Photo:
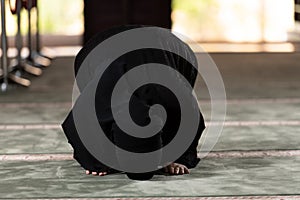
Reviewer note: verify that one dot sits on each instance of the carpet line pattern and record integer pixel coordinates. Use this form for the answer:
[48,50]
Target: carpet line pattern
[229,102]
[223,154]
[226,124]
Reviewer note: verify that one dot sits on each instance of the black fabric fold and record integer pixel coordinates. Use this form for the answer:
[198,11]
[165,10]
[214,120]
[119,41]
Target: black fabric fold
[142,100]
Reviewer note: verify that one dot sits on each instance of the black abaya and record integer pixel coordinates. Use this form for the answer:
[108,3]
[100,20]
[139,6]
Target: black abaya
[142,99]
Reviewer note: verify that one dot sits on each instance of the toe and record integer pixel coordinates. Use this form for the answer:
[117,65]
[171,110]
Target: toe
[172,170]
[102,173]
[94,173]
[181,170]
[186,170]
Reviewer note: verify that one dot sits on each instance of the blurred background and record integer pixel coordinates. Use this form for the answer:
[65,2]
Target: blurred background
[204,21]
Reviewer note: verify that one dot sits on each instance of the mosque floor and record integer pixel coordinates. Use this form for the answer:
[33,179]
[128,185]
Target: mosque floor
[257,155]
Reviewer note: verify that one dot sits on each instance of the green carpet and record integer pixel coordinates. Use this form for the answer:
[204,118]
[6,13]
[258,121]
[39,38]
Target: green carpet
[260,88]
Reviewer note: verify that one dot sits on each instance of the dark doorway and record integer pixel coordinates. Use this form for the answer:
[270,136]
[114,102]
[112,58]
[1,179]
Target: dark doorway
[102,14]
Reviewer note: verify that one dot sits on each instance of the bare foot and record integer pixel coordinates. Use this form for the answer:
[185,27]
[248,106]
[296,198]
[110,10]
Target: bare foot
[176,169]
[88,172]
